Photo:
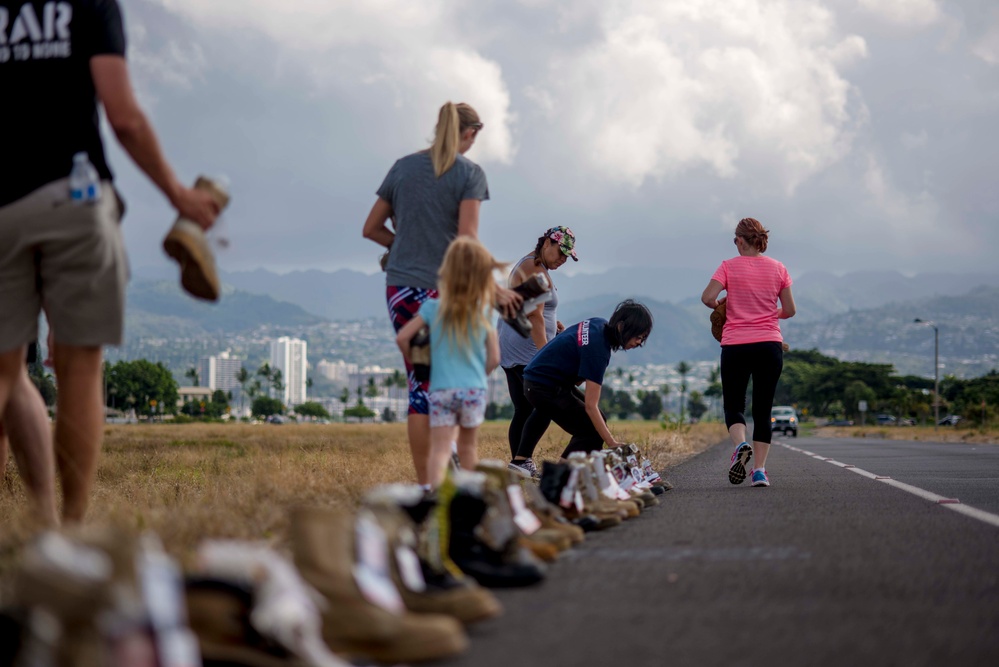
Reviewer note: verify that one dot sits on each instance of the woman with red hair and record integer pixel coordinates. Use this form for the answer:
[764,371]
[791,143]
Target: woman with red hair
[752,345]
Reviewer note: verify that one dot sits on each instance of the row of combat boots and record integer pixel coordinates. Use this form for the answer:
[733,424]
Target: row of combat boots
[395,581]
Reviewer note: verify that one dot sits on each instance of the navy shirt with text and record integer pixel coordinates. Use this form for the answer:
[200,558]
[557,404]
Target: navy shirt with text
[581,352]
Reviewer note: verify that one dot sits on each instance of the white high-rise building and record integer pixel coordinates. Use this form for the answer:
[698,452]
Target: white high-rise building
[219,372]
[289,356]
[338,371]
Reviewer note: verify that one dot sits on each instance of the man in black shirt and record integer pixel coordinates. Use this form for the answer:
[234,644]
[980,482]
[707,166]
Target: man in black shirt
[59,59]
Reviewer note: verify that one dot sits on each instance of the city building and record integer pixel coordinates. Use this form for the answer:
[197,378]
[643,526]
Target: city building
[289,355]
[219,372]
[337,371]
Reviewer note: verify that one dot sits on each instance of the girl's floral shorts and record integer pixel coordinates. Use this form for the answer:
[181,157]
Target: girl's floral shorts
[464,407]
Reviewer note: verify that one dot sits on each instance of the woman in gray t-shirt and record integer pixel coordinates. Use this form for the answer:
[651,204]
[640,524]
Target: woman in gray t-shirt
[432,197]
[553,249]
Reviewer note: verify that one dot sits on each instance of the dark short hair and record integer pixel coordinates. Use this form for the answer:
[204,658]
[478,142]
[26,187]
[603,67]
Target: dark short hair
[630,320]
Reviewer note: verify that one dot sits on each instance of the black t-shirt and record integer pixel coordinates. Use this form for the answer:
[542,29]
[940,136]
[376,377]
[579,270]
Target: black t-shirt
[48,109]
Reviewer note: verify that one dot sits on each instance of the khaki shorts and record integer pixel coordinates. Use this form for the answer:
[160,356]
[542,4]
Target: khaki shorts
[65,258]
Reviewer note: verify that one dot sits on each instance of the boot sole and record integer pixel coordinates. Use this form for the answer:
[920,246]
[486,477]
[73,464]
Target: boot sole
[420,649]
[737,473]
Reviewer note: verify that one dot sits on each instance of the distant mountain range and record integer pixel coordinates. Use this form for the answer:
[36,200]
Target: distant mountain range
[352,295]
[860,316]
[159,309]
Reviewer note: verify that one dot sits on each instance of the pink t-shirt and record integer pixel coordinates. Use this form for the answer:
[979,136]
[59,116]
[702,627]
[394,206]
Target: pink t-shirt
[752,285]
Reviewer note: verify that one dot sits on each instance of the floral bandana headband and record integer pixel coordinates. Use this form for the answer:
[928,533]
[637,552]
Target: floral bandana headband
[566,240]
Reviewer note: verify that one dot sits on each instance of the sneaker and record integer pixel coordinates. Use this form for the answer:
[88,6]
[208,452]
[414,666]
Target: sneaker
[759,478]
[521,468]
[740,457]
[528,464]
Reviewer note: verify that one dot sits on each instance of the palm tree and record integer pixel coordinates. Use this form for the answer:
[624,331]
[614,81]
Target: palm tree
[242,377]
[277,381]
[664,389]
[372,389]
[714,390]
[192,374]
[265,372]
[308,386]
[683,368]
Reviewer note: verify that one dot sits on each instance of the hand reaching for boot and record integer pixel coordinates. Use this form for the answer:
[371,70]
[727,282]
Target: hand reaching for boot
[196,205]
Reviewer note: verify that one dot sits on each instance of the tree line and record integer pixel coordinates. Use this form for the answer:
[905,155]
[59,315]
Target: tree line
[817,385]
[824,386]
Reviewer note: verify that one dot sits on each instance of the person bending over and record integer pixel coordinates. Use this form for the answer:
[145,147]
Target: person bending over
[581,353]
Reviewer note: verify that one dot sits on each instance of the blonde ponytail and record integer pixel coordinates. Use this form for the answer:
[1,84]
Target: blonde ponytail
[452,120]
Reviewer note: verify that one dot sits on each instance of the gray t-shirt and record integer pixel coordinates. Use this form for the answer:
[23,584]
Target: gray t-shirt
[425,209]
[515,350]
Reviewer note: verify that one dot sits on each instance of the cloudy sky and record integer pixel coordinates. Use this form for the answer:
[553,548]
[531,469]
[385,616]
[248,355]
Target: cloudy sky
[861,132]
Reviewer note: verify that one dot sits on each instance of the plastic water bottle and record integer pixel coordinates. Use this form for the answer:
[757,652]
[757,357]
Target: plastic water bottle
[84,182]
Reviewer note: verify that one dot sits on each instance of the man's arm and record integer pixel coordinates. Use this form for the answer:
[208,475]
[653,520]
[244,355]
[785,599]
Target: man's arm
[136,135]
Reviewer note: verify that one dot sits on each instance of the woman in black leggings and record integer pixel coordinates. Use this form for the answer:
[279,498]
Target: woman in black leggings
[751,342]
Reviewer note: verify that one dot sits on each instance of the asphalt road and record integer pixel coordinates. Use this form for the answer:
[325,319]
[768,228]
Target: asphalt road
[825,567]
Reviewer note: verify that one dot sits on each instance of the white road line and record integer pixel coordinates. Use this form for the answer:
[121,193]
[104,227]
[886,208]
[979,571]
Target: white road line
[948,503]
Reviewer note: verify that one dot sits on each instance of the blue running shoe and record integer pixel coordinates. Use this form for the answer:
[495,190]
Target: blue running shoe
[740,457]
[759,478]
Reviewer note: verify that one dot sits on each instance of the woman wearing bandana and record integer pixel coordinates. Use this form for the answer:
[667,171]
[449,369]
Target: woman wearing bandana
[553,249]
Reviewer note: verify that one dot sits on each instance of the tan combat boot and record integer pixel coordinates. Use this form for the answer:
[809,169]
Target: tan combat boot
[186,243]
[323,543]
[423,590]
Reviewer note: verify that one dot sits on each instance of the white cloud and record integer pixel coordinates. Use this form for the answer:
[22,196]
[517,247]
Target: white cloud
[987,46]
[912,13]
[170,65]
[412,50]
[915,213]
[669,86]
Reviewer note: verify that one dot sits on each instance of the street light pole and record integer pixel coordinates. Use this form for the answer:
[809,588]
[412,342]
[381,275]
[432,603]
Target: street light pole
[936,377]
[936,371]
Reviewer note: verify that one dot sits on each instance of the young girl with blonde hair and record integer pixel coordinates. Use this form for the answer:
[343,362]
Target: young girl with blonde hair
[464,350]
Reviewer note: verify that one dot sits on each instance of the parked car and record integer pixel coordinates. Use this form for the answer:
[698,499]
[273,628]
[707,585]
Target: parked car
[840,422]
[276,419]
[886,420]
[783,418]
[950,420]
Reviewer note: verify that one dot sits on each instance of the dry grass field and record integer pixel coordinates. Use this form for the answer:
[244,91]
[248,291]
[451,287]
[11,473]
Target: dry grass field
[187,482]
[923,433]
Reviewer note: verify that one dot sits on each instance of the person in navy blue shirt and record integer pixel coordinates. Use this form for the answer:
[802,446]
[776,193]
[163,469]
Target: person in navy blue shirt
[579,354]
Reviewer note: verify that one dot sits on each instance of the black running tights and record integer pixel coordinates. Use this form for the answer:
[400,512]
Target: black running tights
[527,425]
[566,407]
[764,363]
